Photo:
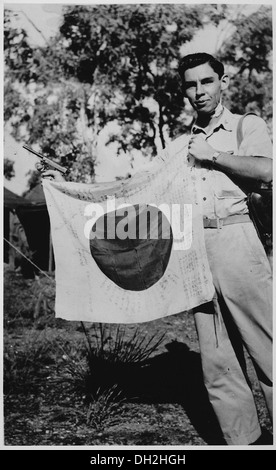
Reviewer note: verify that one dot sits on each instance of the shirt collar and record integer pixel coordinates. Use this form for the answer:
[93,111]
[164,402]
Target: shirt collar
[225,120]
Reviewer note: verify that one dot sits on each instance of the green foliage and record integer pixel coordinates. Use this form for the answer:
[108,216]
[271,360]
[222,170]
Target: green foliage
[117,63]
[8,169]
[251,45]
[249,55]
[132,50]
[19,56]
[26,364]
[104,65]
[34,298]
[42,107]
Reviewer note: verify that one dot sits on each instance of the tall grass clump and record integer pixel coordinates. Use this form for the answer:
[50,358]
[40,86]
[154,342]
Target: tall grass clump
[103,371]
[114,346]
[105,408]
[113,354]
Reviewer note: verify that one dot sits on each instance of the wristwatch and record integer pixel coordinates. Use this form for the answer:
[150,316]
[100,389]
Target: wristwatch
[215,156]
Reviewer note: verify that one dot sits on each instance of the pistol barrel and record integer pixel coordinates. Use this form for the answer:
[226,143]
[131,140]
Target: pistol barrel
[46,160]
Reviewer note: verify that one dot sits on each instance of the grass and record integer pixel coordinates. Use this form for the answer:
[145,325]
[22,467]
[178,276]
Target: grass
[92,367]
[113,354]
[66,383]
[105,408]
[25,364]
[115,348]
[99,371]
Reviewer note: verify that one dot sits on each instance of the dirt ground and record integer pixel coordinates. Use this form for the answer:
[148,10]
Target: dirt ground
[46,404]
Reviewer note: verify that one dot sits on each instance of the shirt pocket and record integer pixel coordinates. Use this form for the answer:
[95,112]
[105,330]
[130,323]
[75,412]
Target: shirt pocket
[225,188]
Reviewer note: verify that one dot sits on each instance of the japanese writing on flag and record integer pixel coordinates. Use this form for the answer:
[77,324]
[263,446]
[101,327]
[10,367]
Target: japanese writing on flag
[130,251]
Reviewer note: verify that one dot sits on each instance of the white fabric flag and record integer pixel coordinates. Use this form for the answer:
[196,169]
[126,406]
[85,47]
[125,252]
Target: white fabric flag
[121,274]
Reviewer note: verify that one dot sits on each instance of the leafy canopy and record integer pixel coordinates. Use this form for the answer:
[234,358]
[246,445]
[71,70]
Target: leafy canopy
[118,64]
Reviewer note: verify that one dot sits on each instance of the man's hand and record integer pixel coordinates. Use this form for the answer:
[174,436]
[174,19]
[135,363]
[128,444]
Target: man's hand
[200,149]
[53,175]
[245,166]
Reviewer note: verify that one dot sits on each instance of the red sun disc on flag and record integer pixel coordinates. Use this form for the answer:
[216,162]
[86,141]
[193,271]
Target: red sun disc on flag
[132,246]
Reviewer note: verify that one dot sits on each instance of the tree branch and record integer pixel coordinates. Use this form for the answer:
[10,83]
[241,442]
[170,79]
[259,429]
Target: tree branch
[160,126]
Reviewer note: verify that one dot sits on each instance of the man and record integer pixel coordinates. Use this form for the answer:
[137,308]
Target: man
[241,312]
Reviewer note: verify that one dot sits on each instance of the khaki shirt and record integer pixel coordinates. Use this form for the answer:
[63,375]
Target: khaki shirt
[220,196]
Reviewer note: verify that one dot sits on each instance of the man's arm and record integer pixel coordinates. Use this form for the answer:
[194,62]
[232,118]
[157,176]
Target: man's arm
[256,168]
[251,167]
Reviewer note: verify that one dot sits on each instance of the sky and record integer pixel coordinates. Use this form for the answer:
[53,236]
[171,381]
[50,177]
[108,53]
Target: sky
[41,21]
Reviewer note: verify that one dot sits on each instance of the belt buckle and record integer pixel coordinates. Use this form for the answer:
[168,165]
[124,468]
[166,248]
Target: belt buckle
[213,223]
[207,222]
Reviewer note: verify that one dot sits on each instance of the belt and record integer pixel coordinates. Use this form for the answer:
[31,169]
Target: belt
[231,219]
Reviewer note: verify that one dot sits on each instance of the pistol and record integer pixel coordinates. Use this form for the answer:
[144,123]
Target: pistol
[47,161]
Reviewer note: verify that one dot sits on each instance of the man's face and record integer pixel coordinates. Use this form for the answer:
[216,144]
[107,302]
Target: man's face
[203,88]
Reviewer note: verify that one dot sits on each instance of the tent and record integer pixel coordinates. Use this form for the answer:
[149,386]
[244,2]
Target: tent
[31,212]
[11,202]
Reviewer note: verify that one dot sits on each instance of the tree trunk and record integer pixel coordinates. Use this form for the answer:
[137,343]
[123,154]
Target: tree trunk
[160,126]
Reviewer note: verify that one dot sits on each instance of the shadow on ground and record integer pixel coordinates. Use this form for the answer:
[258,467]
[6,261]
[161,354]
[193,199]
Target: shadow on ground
[174,376]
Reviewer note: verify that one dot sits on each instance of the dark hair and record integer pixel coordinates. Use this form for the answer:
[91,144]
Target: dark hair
[193,60]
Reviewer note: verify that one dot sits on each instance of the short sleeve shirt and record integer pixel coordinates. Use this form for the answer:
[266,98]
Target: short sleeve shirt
[220,195]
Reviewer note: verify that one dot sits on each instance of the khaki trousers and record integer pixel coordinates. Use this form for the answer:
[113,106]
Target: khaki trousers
[240,316]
